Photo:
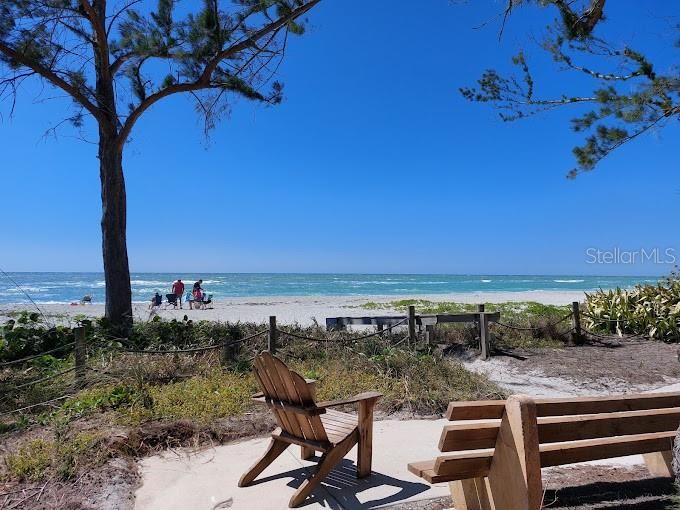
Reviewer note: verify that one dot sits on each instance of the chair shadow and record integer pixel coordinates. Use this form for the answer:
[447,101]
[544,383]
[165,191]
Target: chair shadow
[341,488]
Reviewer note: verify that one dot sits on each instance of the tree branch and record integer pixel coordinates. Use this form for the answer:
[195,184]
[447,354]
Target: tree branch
[53,78]
[252,39]
[204,81]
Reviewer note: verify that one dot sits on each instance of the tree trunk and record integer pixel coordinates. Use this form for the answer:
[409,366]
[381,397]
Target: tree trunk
[118,309]
[114,243]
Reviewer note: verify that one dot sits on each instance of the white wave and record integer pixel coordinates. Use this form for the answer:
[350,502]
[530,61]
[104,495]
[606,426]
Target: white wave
[22,290]
[486,281]
[568,281]
[149,282]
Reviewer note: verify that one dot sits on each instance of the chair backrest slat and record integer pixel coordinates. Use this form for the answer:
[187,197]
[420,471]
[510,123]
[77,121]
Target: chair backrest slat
[279,383]
[267,387]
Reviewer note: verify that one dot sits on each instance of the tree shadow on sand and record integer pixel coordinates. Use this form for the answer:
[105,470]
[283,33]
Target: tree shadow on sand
[342,490]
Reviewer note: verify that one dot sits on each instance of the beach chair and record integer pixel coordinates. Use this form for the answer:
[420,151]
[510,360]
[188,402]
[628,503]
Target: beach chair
[207,300]
[310,424]
[172,300]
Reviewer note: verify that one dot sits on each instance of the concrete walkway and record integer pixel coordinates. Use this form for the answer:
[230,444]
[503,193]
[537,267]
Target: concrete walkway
[207,480]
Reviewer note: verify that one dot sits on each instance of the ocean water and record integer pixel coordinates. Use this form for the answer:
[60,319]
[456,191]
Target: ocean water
[69,287]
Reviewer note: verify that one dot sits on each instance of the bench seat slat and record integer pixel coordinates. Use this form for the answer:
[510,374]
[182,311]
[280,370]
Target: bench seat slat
[476,463]
[460,466]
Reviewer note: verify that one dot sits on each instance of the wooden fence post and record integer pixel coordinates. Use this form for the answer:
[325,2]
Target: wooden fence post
[271,340]
[576,335]
[483,331]
[484,335]
[429,334]
[228,353]
[411,325]
[80,352]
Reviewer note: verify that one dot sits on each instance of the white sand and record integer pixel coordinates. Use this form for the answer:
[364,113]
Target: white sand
[301,309]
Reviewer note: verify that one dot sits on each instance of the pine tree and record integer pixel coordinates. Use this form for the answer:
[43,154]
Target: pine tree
[105,56]
[628,99]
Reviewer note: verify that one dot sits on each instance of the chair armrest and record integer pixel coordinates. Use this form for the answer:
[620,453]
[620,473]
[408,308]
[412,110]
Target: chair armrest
[369,395]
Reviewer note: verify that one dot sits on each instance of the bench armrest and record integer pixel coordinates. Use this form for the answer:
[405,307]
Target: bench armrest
[369,395]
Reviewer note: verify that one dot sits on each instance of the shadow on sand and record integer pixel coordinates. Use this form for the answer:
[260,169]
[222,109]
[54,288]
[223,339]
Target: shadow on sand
[645,494]
[342,490]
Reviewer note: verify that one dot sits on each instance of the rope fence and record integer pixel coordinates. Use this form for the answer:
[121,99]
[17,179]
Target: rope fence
[87,375]
[35,356]
[353,339]
[537,328]
[196,349]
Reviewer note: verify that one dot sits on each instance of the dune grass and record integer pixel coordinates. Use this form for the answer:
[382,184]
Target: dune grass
[128,393]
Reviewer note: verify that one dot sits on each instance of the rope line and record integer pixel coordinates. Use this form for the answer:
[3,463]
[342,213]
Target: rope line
[25,385]
[363,337]
[195,349]
[9,277]
[587,331]
[29,358]
[46,402]
[519,328]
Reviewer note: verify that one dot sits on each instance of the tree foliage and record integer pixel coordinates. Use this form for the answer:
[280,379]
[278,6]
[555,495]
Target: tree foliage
[629,95]
[222,49]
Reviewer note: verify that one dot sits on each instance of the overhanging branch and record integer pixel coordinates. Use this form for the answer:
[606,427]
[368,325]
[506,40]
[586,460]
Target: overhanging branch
[204,81]
[53,78]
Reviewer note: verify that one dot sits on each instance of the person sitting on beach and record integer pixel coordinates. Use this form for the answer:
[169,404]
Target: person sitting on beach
[156,301]
[196,293]
[178,290]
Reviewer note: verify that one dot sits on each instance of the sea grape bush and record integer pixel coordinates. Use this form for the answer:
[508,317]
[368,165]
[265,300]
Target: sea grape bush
[27,334]
[652,310]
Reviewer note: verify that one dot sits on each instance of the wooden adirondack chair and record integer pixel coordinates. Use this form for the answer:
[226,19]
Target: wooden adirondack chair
[310,425]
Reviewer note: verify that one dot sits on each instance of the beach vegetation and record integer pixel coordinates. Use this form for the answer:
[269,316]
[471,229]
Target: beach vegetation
[538,325]
[651,310]
[56,458]
[154,401]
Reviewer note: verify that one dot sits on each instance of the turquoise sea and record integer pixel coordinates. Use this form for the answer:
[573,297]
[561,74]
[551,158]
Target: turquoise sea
[68,287]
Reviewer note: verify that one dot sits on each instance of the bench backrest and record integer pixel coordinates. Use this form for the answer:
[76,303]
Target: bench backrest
[569,430]
[561,420]
[494,450]
[290,398]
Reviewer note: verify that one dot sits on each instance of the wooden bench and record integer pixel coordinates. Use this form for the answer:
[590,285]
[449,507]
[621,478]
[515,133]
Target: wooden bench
[494,450]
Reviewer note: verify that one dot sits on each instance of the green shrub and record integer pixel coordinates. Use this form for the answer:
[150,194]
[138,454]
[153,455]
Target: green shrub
[40,459]
[652,310]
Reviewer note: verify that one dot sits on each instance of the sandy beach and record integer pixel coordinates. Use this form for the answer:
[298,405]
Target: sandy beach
[303,310]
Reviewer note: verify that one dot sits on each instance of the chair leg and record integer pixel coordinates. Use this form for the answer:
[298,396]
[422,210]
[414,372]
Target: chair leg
[275,448]
[325,466]
[306,453]
[365,450]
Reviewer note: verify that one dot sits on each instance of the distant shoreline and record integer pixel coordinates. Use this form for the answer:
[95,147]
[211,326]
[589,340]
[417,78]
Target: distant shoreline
[301,309]
[59,288]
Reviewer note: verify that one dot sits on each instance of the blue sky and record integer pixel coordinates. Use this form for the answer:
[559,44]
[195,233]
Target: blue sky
[373,162]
